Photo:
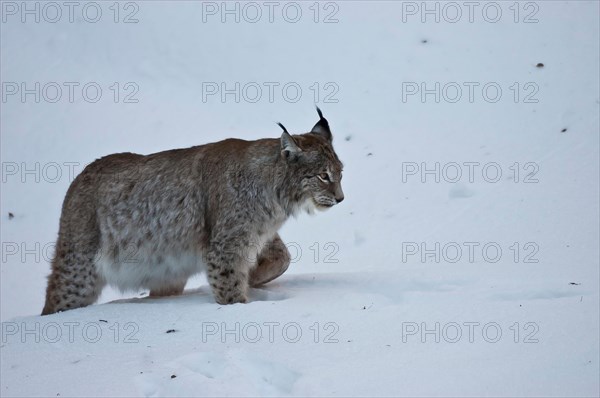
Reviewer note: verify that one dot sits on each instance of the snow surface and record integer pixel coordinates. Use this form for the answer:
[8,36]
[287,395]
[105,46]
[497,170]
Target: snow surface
[367,316]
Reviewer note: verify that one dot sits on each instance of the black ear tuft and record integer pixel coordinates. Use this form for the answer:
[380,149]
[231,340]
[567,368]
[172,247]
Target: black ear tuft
[322,127]
[283,127]
[319,112]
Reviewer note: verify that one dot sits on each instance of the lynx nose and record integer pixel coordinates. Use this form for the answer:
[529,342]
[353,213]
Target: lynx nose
[338,193]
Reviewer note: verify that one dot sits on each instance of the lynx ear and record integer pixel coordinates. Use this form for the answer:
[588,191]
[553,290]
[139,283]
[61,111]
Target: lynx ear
[322,127]
[288,144]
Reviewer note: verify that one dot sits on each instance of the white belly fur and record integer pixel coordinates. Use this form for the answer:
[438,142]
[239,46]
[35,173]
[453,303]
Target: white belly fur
[144,270]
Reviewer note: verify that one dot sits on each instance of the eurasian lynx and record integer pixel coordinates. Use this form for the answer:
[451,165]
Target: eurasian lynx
[151,222]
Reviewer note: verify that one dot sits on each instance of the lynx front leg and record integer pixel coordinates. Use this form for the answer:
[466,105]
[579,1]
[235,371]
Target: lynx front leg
[228,266]
[273,261]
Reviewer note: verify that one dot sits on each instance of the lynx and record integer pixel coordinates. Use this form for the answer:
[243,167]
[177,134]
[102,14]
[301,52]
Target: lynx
[151,222]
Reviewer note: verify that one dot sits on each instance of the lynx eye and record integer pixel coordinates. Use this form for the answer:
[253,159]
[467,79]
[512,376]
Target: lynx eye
[324,177]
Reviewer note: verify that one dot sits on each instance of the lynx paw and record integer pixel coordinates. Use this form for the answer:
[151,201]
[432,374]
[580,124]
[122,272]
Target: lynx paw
[230,298]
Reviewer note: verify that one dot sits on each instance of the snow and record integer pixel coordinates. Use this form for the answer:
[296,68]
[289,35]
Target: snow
[366,308]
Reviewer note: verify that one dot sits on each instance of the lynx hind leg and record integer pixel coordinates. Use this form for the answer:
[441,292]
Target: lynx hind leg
[272,262]
[173,289]
[74,281]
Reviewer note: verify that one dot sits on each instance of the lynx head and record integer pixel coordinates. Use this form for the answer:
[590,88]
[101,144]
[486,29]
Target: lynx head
[315,172]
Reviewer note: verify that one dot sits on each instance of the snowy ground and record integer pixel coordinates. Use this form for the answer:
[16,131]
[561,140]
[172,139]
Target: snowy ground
[419,284]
